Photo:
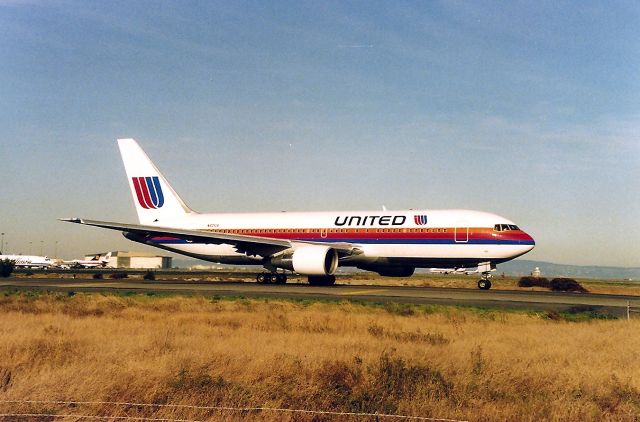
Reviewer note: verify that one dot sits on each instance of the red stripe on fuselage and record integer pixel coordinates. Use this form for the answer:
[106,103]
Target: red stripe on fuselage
[479,233]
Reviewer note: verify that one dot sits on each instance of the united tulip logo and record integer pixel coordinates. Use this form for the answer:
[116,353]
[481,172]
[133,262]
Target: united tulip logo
[420,220]
[148,191]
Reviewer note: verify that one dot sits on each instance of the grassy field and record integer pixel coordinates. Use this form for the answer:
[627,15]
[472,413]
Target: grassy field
[429,361]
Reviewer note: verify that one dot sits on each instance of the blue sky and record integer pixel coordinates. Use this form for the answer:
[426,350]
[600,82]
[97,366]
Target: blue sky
[530,110]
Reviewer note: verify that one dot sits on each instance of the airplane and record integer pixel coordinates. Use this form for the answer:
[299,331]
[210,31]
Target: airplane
[465,271]
[96,261]
[314,244]
[28,261]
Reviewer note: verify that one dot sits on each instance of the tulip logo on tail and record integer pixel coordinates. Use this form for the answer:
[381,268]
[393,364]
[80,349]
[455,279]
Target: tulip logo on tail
[148,191]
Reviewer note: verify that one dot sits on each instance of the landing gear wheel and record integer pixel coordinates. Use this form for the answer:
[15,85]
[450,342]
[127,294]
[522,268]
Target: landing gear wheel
[279,278]
[263,278]
[484,284]
[322,280]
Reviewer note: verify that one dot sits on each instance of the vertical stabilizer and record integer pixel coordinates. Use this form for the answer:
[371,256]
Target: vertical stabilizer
[155,200]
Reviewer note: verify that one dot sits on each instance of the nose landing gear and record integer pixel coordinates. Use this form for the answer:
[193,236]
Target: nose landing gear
[485,269]
[484,283]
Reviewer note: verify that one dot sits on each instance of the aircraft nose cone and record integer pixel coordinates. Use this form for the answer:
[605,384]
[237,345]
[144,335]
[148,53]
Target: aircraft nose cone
[529,240]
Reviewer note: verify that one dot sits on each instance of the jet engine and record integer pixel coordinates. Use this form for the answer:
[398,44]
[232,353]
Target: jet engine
[309,260]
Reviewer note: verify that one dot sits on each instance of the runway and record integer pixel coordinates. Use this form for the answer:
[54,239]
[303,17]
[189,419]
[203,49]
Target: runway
[513,299]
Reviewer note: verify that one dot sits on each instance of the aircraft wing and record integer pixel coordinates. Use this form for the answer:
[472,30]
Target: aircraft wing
[251,245]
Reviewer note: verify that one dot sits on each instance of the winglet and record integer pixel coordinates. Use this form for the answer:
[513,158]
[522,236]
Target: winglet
[72,220]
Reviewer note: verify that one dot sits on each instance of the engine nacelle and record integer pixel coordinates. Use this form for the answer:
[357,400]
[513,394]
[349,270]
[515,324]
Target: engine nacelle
[315,260]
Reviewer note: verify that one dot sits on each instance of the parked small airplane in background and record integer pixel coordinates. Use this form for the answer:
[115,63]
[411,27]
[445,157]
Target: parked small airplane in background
[391,243]
[465,271]
[96,261]
[28,261]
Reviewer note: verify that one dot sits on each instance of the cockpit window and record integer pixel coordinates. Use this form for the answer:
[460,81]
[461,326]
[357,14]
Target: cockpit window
[505,227]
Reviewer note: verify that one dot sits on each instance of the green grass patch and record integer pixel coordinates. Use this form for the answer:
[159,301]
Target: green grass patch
[574,314]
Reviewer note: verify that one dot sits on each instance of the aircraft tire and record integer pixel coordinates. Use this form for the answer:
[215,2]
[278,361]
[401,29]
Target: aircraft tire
[279,278]
[484,284]
[263,278]
[322,280]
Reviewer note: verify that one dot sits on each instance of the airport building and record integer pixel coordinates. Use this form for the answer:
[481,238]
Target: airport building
[125,259]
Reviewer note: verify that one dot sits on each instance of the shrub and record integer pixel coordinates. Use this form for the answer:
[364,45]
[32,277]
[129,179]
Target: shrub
[119,275]
[150,275]
[395,377]
[196,382]
[557,284]
[533,282]
[98,276]
[339,379]
[401,309]
[566,285]
[6,267]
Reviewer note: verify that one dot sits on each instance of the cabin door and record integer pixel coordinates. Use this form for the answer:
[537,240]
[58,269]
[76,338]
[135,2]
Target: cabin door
[461,233]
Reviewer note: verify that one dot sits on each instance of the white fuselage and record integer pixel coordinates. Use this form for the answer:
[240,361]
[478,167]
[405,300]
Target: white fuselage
[420,238]
[86,263]
[28,261]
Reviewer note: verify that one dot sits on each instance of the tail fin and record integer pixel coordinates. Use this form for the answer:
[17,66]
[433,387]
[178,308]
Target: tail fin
[154,198]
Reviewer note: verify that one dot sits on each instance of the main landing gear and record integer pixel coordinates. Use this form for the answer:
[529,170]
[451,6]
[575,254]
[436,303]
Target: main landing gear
[322,280]
[281,278]
[268,278]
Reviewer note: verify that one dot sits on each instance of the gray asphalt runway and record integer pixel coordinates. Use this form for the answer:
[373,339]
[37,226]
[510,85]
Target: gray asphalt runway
[611,304]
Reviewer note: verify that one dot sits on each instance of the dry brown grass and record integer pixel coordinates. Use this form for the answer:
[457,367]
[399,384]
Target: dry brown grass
[438,362]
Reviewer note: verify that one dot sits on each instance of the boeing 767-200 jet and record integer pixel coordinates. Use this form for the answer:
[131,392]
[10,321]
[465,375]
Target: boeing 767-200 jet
[314,244]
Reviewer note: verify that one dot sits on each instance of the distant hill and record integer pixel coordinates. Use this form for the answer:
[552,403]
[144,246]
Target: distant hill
[517,267]
[548,269]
